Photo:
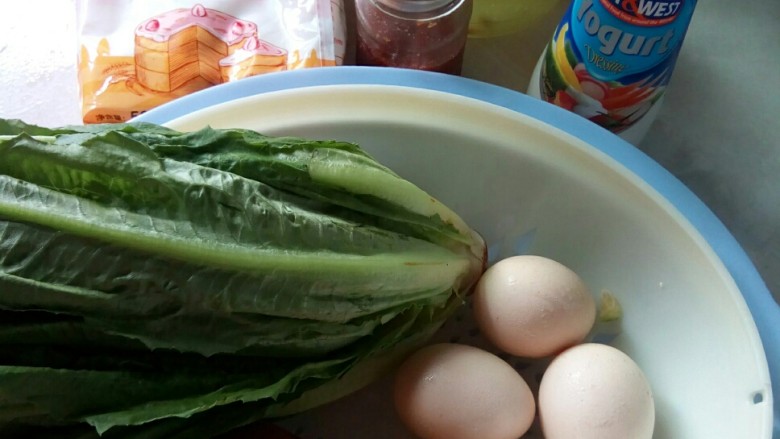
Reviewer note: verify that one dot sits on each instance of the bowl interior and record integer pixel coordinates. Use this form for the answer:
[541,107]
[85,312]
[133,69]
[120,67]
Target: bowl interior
[530,188]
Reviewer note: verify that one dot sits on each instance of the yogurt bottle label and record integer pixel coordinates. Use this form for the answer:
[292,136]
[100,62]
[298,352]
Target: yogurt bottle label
[610,60]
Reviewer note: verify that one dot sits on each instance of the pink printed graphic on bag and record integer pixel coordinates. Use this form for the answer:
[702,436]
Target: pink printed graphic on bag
[179,45]
[136,55]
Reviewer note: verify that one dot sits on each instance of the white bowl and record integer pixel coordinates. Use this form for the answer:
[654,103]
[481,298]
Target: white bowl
[591,201]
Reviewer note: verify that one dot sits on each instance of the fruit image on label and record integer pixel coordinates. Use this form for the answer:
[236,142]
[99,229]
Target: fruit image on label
[610,60]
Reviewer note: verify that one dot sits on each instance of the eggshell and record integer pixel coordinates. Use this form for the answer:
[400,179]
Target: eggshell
[532,306]
[454,391]
[595,391]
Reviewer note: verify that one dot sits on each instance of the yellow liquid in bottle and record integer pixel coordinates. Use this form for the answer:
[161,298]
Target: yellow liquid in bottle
[491,18]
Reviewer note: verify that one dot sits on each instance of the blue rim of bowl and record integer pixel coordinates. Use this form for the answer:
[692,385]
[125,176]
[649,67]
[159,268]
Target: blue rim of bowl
[762,305]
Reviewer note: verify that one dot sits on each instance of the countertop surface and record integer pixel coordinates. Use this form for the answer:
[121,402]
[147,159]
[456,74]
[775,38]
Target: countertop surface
[718,130]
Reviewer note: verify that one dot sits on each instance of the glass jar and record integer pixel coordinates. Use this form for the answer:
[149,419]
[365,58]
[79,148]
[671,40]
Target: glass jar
[416,34]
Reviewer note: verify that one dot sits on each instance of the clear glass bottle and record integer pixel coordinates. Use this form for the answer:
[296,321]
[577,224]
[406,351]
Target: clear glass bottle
[416,34]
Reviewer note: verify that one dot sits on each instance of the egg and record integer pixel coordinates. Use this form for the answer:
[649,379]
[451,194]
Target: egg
[455,391]
[595,391]
[532,306]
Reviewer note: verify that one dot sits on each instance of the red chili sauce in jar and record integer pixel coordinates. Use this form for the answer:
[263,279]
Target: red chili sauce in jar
[416,34]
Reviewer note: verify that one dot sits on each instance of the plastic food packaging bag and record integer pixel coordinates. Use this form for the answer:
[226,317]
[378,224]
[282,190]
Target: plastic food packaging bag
[136,55]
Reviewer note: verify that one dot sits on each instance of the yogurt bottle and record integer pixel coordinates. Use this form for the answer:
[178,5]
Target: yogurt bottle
[610,61]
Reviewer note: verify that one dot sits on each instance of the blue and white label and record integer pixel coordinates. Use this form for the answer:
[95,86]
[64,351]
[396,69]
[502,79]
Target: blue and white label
[610,60]
[618,38]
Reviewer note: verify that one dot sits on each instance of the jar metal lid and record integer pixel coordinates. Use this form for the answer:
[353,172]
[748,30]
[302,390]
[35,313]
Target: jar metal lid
[415,6]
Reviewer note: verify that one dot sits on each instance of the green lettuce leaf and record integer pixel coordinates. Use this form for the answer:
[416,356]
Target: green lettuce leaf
[155,283]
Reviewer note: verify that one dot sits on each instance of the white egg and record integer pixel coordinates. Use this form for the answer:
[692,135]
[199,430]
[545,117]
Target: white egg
[532,306]
[454,391]
[595,391]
